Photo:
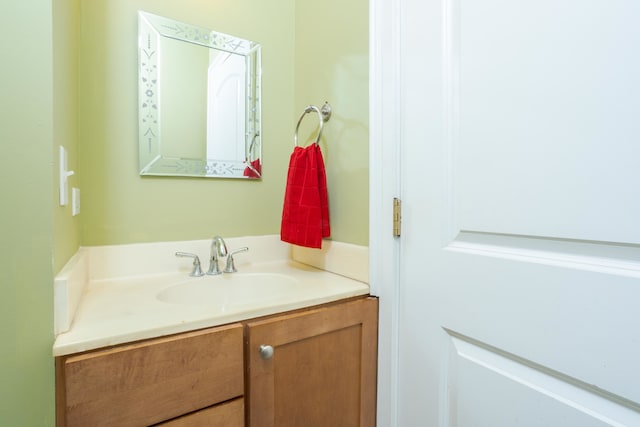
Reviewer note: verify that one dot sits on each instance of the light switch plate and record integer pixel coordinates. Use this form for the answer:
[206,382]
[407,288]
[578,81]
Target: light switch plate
[64,176]
[75,201]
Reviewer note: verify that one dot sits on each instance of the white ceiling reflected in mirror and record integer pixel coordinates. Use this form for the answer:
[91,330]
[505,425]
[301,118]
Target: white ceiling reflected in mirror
[199,101]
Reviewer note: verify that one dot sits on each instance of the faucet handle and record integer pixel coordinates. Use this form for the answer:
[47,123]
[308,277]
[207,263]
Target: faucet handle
[231,266]
[197,271]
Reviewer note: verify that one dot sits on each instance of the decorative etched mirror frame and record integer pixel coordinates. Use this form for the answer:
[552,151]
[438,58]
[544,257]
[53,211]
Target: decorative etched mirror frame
[152,30]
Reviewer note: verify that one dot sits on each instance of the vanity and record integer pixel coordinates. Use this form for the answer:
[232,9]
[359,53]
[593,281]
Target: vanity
[140,352]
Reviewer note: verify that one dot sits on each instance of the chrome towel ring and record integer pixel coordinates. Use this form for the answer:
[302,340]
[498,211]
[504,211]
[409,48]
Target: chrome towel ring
[324,114]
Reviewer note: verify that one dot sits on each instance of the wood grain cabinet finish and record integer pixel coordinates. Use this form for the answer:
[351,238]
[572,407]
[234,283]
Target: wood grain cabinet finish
[228,414]
[322,371]
[150,382]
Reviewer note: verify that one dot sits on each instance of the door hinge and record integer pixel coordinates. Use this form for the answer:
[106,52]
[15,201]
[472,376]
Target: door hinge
[397,217]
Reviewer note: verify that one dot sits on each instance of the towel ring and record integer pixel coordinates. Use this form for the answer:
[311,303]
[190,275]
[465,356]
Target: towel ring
[324,115]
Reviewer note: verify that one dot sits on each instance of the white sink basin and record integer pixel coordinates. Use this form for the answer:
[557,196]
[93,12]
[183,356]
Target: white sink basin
[230,289]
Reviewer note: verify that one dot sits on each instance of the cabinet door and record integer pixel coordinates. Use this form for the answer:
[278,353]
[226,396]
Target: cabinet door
[151,381]
[322,371]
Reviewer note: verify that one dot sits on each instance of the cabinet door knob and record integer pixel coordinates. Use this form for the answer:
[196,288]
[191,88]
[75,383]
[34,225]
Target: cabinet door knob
[266,352]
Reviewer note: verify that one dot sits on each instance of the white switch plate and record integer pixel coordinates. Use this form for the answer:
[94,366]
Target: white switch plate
[75,201]
[64,176]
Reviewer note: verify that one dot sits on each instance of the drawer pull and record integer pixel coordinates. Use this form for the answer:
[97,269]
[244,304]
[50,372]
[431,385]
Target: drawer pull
[266,352]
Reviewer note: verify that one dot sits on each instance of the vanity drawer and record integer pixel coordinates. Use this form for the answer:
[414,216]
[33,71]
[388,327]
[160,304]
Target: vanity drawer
[151,381]
[228,414]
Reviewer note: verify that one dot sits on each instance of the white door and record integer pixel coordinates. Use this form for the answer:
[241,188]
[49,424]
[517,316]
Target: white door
[518,301]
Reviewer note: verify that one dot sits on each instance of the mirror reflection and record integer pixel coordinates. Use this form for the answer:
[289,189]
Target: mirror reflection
[199,101]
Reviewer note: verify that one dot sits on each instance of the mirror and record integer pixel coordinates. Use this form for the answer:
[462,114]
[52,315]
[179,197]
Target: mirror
[199,101]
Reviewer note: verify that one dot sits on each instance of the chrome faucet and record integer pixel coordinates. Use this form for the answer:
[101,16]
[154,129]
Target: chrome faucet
[218,249]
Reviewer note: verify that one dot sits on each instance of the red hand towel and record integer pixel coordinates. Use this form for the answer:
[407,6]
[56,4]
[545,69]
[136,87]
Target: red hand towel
[305,215]
[324,197]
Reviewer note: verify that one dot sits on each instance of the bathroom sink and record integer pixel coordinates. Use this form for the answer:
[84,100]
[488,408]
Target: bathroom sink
[230,289]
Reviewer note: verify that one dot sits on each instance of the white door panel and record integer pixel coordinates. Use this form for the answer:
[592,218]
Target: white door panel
[520,394]
[561,80]
[520,254]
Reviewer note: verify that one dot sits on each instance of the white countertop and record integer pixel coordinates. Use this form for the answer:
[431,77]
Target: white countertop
[120,309]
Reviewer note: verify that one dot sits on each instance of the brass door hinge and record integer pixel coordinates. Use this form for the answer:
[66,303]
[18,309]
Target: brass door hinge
[397,217]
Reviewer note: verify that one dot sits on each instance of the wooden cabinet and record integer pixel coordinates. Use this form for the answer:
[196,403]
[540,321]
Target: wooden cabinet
[228,414]
[322,371]
[150,382]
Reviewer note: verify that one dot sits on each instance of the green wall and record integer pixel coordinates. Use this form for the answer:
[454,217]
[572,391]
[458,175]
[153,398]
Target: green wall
[26,215]
[72,80]
[119,206]
[66,32]
[332,40]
